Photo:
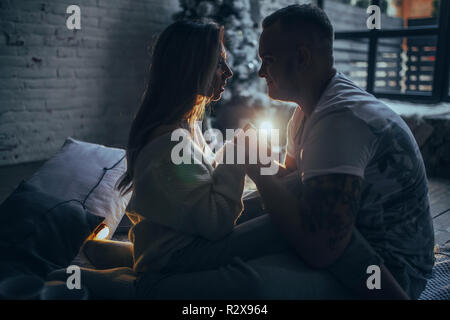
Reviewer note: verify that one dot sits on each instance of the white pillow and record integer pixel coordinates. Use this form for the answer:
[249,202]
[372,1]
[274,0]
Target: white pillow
[75,171]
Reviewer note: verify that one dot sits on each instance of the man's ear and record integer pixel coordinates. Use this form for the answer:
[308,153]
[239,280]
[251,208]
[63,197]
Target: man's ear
[303,56]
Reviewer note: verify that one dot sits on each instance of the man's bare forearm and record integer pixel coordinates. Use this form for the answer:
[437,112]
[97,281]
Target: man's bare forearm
[317,220]
[300,228]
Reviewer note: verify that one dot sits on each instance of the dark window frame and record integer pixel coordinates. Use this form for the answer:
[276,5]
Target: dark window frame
[441,72]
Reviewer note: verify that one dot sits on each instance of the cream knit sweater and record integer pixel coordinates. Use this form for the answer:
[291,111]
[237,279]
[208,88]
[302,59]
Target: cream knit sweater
[172,205]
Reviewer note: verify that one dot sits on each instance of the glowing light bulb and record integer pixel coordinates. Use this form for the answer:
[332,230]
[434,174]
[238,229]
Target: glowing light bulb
[102,234]
[266,126]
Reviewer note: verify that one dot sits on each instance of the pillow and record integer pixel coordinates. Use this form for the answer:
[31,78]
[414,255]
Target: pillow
[38,233]
[88,173]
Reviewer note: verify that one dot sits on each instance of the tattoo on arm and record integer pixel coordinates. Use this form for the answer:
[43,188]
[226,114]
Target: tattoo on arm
[329,205]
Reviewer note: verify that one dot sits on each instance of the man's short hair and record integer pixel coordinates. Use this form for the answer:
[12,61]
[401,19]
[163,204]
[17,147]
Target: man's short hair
[305,15]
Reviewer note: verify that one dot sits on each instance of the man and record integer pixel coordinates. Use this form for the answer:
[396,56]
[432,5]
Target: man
[363,195]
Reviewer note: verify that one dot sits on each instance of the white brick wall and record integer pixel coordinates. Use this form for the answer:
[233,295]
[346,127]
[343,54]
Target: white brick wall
[55,82]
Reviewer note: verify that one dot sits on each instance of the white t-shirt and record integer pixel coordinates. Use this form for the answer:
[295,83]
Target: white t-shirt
[351,132]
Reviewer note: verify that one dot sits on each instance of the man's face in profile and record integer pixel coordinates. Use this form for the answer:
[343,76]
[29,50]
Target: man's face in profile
[278,65]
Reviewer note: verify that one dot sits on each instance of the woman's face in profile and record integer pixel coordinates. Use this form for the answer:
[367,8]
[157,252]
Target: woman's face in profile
[222,73]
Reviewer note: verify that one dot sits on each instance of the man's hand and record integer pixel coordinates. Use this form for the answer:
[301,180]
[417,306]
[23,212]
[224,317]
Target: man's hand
[269,161]
[290,165]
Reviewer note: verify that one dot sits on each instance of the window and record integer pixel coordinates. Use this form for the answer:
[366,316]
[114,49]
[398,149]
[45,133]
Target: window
[405,65]
[350,58]
[406,59]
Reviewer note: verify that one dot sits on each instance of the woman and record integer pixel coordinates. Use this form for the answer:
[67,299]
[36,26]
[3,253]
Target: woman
[184,214]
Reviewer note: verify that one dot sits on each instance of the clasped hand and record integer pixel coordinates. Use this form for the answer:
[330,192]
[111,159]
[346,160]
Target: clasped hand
[259,158]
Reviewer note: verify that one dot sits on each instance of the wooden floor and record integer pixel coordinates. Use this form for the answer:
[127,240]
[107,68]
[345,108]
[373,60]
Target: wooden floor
[440,209]
[10,177]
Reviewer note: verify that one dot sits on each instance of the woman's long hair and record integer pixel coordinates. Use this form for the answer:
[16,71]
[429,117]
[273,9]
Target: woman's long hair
[184,60]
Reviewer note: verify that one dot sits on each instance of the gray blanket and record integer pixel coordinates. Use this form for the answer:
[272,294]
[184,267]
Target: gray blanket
[438,287]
